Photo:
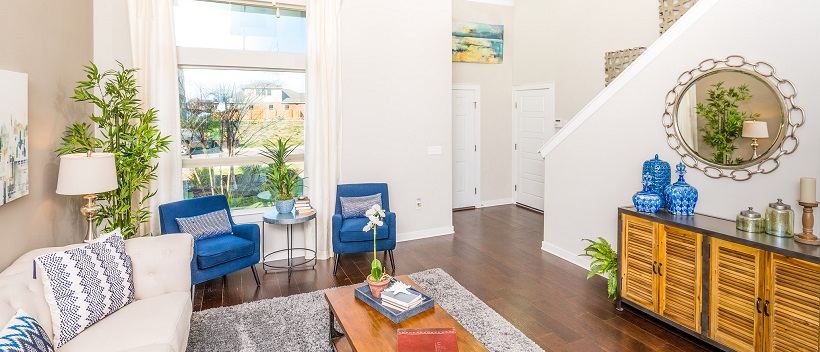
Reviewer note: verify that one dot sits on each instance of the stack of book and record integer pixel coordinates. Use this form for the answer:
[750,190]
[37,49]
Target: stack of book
[401,301]
[303,207]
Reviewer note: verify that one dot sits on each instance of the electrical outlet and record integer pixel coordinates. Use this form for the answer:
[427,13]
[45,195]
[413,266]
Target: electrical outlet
[418,203]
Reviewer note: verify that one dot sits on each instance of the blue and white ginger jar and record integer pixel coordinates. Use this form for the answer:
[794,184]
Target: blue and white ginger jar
[661,176]
[647,201]
[680,196]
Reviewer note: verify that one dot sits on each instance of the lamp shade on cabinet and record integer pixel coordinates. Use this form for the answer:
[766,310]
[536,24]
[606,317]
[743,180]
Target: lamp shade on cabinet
[755,129]
[86,174]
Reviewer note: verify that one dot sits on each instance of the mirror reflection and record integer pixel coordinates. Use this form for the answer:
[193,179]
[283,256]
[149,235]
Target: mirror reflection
[730,117]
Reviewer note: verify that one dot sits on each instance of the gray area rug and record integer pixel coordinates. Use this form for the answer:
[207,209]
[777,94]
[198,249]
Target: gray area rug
[299,322]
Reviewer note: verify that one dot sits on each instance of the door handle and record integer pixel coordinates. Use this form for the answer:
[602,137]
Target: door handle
[660,265]
[653,267]
[757,305]
[766,308]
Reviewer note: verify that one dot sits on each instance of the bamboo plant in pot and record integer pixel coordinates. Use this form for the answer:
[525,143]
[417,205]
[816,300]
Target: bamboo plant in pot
[378,280]
[282,181]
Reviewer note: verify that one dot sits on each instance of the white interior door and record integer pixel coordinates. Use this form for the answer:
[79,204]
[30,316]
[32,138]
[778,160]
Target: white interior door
[465,148]
[534,126]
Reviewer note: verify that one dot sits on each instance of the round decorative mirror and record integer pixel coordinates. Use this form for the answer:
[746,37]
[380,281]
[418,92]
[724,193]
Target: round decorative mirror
[732,118]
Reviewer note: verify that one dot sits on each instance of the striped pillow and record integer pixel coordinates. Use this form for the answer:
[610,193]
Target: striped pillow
[24,334]
[85,284]
[206,225]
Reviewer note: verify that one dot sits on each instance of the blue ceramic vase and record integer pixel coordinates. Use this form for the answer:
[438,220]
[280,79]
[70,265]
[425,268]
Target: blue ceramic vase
[680,196]
[661,176]
[647,201]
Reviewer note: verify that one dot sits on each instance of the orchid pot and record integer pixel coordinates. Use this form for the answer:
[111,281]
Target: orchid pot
[378,280]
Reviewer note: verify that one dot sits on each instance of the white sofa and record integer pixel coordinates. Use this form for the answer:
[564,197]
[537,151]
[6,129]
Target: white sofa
[159,318]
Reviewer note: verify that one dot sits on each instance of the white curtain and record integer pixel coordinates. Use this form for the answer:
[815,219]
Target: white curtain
[323,115]
[154,53]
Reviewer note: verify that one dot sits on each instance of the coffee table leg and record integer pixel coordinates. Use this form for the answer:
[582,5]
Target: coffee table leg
[334,334]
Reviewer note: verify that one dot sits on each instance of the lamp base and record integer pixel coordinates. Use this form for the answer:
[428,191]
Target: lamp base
[90,211]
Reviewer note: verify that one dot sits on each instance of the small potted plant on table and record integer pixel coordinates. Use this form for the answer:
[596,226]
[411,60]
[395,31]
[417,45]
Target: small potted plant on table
[378,280]
[282,181]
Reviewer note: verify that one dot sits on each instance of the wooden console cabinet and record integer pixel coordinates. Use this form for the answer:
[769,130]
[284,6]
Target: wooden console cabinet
[735,290]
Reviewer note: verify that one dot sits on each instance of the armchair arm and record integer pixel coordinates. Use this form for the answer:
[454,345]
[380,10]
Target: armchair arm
[390,221]
[249,232]
[161,264]
[336,222]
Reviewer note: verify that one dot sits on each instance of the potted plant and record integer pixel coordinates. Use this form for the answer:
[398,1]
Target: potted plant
[282,181]
[378,279]
[724,120]
[604,262]
[130,133]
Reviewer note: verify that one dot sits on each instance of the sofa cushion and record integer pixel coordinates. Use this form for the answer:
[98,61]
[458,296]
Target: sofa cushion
[158,323]
[351,231]
[213,251]
[23,334]
[85,284]
[355,207]
[215,223]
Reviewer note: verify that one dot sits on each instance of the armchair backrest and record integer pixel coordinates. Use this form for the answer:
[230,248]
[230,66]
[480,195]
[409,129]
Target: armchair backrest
[168,213]
[360,190]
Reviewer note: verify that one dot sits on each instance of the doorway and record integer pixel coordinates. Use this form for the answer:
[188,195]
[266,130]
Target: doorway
[465,145]
[533,126]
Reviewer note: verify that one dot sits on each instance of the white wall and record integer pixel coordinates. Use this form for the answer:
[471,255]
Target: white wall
[50,41]
[396,101]
[601,160]
[496,100]
[565,41]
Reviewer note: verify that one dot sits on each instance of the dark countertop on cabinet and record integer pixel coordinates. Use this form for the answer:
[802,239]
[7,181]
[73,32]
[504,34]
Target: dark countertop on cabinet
[725,229]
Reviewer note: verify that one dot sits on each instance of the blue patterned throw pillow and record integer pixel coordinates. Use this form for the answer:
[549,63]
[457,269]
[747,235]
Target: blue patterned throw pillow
[85,284]
[355,207]
[206,225]
[24,334]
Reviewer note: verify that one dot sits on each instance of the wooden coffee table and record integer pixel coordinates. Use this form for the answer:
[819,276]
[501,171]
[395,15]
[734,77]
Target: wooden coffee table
[365,329]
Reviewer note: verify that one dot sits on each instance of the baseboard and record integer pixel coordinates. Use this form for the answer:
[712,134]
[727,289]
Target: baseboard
[496,202]
[415,235]
[566,255]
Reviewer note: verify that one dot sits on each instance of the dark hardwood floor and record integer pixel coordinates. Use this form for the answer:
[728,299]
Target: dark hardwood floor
[496,254]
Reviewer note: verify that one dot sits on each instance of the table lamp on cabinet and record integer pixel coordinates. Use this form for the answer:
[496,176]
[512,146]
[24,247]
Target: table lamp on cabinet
[755,130]
[87,174]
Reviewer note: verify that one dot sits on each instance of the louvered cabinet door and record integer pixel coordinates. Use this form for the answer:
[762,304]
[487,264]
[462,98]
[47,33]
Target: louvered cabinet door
[638,280]
[680,274]
[793,320]
[735,284]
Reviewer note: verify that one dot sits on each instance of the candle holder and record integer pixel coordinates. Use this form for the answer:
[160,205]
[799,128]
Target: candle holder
[808,237]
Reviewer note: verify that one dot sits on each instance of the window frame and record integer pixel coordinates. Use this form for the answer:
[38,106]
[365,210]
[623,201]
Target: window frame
[235,59]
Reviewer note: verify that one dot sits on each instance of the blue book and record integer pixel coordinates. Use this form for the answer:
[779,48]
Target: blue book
[395,315]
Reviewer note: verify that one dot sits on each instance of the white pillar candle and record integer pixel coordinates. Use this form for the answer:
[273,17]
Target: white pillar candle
[808,190]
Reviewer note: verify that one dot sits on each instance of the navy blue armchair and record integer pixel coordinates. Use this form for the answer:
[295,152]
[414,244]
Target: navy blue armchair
[215,256]
[348,236]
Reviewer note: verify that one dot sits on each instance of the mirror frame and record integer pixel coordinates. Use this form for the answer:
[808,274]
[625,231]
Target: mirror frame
[787,142]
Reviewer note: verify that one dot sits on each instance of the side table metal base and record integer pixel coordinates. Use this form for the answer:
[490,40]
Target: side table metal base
[276,218]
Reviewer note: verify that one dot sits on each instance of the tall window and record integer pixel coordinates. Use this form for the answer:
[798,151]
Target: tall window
[242,84]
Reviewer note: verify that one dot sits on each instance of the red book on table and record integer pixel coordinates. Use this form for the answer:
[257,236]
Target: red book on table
[427,340]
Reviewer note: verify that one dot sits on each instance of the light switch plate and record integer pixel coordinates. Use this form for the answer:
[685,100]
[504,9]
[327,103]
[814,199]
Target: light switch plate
[434,150]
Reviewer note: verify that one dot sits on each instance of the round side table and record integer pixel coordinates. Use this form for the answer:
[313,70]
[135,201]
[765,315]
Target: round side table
[289,219]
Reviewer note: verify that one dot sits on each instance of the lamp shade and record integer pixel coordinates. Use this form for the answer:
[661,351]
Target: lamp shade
[755,129]
[86,174]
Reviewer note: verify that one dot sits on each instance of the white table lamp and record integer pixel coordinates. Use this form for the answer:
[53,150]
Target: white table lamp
[87,174]
[755,130]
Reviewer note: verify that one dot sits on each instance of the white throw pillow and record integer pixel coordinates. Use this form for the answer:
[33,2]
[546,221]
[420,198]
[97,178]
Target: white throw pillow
[85,284]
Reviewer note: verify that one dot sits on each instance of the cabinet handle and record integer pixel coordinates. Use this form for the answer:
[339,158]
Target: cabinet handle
[757,306]
[660,265]
[653,267]
[766,308]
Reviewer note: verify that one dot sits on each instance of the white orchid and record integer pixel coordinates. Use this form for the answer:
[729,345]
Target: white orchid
[375,214]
